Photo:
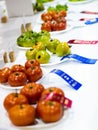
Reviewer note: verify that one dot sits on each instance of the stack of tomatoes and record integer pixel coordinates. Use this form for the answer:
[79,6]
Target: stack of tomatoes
[19,75]
[31,103]
[54,20]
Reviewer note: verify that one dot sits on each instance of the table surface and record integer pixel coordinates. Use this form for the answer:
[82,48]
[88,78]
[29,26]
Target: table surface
[84,112]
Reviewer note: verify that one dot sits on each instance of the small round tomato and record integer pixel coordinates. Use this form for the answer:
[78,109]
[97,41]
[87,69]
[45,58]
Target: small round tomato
[61,26]
[34,73]
[62,13]
[18,67]
[32,91]
[52,90]
[14,98]
[4,74]
[46,17]
[49,111]
[17,79]
[54,26]
[31,62]
[22,115]
[46,26]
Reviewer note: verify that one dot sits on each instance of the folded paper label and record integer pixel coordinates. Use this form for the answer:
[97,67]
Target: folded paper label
[59,98]
[80,59]
[17,8]
[72,82]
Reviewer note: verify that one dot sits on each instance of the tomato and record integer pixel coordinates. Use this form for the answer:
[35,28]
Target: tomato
[54,26]
[17,79]
[22,115]
[14,98]
[32,91]
[49,111]
[34,73]
[4,74]
[61,26]
[46,17]
[62,13]
[46,26]
[31,62]
[18,67]
[52,90]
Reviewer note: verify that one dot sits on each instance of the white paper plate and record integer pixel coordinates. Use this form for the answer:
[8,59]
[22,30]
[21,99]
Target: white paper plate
[54,60]
[23,48]
[41,124]
[79,2]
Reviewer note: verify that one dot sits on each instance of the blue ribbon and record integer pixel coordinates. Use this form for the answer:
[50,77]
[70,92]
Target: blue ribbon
[92,21]
[73,83]
[80,58]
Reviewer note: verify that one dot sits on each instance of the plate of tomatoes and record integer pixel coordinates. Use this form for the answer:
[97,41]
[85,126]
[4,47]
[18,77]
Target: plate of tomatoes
[34,109]
[16,76]
[54,20]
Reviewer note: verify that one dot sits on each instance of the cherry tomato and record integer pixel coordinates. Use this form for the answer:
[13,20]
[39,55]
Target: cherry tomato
[46,26]
[61,26]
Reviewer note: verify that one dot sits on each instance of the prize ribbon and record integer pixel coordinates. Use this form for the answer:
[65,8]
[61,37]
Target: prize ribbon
[59,98]
[80,58]
[73,83]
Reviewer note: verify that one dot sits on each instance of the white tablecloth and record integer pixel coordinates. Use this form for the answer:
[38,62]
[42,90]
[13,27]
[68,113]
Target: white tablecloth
[84,112]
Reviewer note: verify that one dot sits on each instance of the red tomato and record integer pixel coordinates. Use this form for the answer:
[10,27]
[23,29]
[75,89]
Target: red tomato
[14,98]
[17,79]
[32,91]
[54,26]
[31,62]
[61,26]
[18,67]
[49,111]
[46,17]
[22,115]
[62,13]
[46,26]
[4,74]
[34,73]
[52,90]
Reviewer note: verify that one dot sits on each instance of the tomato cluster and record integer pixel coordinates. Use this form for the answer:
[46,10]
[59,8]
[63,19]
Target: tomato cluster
[19,75]
[22,110]
[54,21]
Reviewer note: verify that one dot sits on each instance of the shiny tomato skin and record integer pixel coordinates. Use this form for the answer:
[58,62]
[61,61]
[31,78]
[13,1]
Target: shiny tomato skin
[32,91]
[54,26]
[52,90]
[31,62]
[34,73]
[46,26]
[46,17]
[22,115]
[61,26]
[14,98]
[62,13]
[49,111]
[17,79]
[4,74]
[18,67]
